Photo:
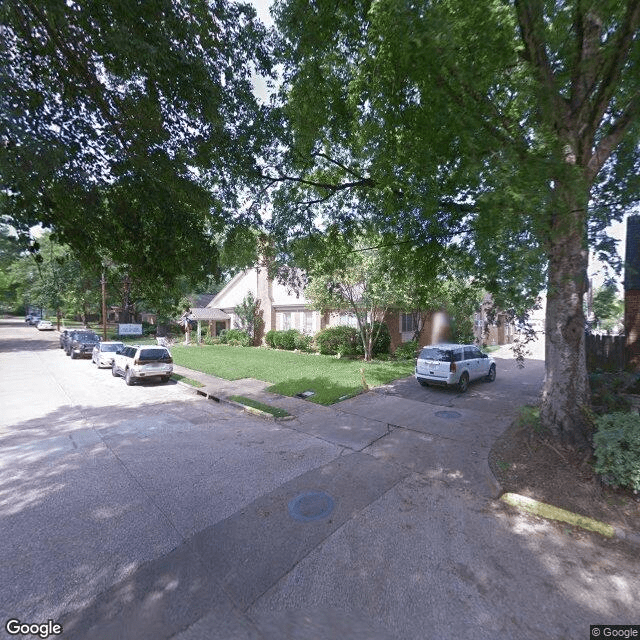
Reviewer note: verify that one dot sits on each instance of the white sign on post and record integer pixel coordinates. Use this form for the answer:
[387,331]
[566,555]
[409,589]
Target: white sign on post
[129,329]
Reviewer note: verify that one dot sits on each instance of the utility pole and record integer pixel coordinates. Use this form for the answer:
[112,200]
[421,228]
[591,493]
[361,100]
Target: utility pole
[103,282]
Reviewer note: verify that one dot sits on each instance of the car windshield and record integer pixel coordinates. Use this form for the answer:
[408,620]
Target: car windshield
[88,337]
[111,347]
[154,354]
[432,353]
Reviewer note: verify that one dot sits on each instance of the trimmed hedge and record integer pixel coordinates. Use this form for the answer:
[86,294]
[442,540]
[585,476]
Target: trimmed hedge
[288,340]
[304,342]
[339,340]
[235,338]
[270,338]
[346,341]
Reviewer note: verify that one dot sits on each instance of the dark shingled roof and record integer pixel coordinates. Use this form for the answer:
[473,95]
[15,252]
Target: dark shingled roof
[632,254]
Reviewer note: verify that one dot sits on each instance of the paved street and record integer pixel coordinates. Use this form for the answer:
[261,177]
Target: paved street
[152,512]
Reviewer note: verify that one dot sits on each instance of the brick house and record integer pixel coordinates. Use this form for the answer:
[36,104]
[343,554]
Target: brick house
[492,329]
[283,309]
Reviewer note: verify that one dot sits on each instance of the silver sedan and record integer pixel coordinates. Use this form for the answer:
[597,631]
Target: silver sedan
[103,353]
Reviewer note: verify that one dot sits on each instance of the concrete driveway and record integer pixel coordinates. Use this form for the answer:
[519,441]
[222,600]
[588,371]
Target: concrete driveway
[149,512]
[440,433]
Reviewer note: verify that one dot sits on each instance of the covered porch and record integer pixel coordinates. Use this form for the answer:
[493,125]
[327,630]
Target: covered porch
[217,320]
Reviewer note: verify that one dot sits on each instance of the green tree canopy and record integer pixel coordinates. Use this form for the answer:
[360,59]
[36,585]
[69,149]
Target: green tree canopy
[507,129]
[129,128]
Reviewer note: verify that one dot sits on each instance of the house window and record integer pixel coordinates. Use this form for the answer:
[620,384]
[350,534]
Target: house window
[286,320]
[308,322]
[407,323]
[348,320]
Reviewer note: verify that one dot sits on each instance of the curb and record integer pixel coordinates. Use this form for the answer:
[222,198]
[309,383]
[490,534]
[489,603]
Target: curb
[201,391]
[256,412]
[544,510]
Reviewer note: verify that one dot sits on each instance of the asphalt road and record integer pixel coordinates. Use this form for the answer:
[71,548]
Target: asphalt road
[148,512]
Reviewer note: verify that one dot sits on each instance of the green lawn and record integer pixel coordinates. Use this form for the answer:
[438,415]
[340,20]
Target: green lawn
[291,373]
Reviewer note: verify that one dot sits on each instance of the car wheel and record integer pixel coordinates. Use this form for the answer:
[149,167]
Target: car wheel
[114,371]
[423,383]
[127,377]
[166,378]
[73,355]
[491,376]
[463,383]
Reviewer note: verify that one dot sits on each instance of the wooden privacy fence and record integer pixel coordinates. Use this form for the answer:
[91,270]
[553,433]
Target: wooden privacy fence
[608,353]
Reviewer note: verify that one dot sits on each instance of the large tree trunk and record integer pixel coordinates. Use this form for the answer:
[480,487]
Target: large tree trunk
[566,386]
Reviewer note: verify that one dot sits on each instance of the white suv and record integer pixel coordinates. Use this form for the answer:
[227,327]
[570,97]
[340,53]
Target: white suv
[138,362]
[453,365]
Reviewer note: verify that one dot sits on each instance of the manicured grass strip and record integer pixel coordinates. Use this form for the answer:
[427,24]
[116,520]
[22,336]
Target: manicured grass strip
[248,402]
[292,373]
[554,513]
[193,383]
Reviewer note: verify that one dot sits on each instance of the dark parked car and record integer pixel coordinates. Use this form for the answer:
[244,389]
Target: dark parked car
[81,343]
[64,335]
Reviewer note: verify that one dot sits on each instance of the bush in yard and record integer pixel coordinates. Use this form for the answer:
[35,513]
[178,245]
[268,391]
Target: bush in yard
[235,338]
[286,339]
[407,350]
[608,391]
[304,342]
[270,338]
[343,340]
[617,449]
[149,329]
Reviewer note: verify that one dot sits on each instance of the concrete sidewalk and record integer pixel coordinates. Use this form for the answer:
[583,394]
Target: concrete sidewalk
[452,446]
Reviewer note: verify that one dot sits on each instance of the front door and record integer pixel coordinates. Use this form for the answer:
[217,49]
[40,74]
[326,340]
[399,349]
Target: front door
[220,326]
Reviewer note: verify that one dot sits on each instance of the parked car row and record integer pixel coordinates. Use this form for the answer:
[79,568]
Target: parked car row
[136,362]
[36,321]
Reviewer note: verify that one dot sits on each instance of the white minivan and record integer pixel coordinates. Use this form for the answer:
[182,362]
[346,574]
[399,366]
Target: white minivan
[453,365]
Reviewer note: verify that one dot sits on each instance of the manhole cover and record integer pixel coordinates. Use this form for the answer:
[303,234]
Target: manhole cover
[449,415]
[313,505]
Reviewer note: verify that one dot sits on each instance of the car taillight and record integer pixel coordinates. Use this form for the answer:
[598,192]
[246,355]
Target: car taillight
[452,367]
[136,361]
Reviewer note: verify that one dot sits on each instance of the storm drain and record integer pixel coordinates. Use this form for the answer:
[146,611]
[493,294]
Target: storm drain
[448,415]
[305,394]
[310,506]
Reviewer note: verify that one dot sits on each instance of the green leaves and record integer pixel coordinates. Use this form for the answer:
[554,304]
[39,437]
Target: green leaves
[468,123]
[131,128]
